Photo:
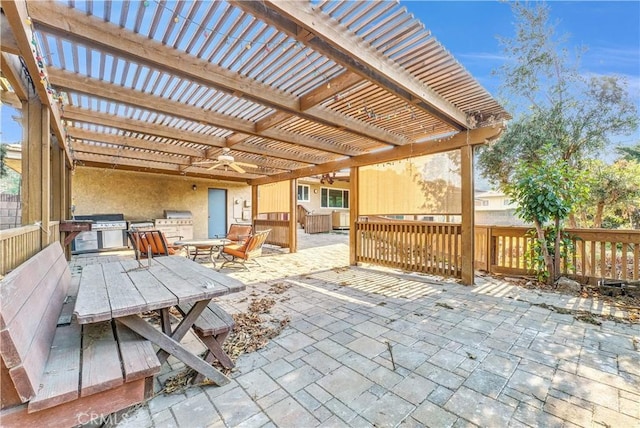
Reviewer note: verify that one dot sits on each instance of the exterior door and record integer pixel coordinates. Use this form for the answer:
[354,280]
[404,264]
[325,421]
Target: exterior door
[217,212]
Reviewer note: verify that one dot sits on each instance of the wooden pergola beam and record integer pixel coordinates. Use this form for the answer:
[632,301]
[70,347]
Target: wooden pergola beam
[105,161]
[94,32]
[17,16]
[310,99]
[297,19]
[9,43]
[122,152]
[133,125]
[94,87]
[185,154]
[11,99]
[12,70]
[137,143]
[472,137]
[92,117]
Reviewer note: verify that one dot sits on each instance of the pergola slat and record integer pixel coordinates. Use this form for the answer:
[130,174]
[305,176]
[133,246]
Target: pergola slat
[311,87]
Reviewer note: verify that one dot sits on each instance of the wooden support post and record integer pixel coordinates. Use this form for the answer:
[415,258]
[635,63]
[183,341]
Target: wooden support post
[30,153]
[36,167]
[467,249]
[68,201]
[58,187]
[254,202]
[489,249]
[354,213]
[45,186]
[293,229]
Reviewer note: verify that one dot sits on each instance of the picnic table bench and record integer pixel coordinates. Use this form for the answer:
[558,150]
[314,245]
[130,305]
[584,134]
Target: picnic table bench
[58,373]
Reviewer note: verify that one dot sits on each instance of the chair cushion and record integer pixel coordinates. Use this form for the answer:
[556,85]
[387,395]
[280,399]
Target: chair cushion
[235,252]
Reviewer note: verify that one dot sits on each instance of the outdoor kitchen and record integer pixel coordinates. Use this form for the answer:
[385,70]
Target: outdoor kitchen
[138,200]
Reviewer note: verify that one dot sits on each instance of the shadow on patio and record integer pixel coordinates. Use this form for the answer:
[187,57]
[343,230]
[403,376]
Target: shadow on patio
[377,347]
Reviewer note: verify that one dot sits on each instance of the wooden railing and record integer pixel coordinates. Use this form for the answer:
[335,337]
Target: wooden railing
[597,253]
[313,223]
[279,231]
[302,213]
[17,245]
[54,232]
[317,223]
[409,245]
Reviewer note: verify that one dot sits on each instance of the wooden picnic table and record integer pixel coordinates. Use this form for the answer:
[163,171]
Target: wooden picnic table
[125,290]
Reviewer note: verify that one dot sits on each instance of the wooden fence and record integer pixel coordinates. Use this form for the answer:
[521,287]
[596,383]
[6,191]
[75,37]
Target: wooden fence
[19,244]
[279,234]
[317,223]
[596,254]
[409,245]
[313,223]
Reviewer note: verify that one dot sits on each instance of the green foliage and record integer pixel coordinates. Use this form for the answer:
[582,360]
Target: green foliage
[562,120]
[3,155]
[535,259]
[555,104]
[546,190]
[614,194]
[631,153]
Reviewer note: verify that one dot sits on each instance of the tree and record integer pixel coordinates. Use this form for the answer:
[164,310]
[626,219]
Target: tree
[3,155]
[562,119]
[630,153]
[614,193]
[546,190]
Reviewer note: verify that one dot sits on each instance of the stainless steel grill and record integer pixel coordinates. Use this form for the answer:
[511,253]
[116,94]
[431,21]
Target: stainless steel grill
[176,214]
[141,224]
[108,232]
[109,225]
[176,224]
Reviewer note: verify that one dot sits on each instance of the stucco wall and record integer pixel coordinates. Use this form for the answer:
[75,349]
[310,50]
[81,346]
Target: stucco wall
[145,196]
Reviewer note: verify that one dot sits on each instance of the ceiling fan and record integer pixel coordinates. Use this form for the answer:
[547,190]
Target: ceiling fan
[227,161]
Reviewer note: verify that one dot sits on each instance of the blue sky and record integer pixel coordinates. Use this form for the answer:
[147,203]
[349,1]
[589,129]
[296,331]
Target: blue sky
[468,29]
[610,30]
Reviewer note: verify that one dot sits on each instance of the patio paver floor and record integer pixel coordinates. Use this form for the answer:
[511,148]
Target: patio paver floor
[369,347]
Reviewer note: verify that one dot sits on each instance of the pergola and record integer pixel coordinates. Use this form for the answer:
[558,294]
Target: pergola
[293,88]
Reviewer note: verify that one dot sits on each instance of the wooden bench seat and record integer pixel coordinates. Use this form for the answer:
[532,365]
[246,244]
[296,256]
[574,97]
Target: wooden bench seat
[212,327]
[65,374]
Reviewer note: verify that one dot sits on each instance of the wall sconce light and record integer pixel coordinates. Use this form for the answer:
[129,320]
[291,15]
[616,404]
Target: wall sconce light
[315,190]
[194,187]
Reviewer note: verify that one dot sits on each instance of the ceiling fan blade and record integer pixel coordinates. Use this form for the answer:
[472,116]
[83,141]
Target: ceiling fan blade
[201,162]
[235,167]
[215,165]
[248,165]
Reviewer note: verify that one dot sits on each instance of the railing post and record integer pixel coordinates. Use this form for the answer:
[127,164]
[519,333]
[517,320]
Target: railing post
[489,247]
[354,205]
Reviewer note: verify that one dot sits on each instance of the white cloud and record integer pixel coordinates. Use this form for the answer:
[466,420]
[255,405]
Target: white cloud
[619,57]
[484,56]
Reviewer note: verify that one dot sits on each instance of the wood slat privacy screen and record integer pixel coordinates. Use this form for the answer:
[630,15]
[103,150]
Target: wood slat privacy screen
[422,185]
[273,197]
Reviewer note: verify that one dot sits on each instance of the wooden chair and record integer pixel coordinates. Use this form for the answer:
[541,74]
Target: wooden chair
[238,233]
[242,253]
[144,240]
